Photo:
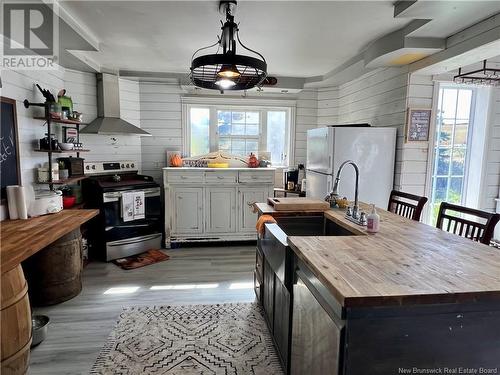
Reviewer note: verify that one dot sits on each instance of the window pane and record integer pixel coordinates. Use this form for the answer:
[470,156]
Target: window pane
[464,102]
[252,146]
[238,129]
[276,136]
[441,187]
[238,118]
[225,144]
[443,163]
[458,162]
[461,132]
[252,117]
[449,103]
[200,134]
[252,129]
[455,192]
[445,134]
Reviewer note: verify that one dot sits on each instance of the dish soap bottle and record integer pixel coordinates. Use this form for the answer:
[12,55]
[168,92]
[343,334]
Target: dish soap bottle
[373,221]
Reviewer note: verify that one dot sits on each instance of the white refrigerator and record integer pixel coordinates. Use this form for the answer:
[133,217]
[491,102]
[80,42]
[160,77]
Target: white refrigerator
[373,149]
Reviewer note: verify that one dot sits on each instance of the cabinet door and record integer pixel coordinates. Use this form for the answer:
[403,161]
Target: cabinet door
[187,210]
[268,295]
[282,320]
[248,196]
[316,338]
[220,210]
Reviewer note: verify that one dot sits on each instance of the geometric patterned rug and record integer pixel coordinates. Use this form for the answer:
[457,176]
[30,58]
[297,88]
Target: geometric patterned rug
[190,340]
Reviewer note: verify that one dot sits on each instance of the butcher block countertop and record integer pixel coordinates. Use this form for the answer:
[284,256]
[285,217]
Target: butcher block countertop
[20,239]
[405,263]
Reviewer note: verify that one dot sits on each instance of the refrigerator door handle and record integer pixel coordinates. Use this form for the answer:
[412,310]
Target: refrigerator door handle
[330,162]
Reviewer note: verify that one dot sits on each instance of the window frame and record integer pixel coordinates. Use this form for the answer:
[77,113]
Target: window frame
[432,154]
[263,106]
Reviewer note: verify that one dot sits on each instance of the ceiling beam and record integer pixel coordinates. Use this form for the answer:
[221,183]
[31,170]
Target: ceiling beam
[400,7]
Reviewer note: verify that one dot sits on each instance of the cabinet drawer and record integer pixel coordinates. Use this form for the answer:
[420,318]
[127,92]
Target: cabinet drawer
[260,177]
[221,177]
[184,177]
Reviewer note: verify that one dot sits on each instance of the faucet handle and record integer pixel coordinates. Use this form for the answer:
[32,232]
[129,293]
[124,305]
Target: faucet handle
[362,218]
[348,211]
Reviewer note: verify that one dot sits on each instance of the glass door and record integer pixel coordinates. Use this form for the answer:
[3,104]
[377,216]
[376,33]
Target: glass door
[451,147]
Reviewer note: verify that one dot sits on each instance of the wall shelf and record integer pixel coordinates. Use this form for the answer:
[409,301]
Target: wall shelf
[67,181]
[60,151]
[59,121]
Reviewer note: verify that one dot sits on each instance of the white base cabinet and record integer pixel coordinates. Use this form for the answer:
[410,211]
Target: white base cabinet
[206,204]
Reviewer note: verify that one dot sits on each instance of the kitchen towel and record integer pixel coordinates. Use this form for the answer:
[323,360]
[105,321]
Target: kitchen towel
[11,202]
[128,206]
[139,212]
[133,206]
[22,208]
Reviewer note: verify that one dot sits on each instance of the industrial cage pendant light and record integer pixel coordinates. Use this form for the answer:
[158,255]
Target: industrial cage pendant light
[228,70]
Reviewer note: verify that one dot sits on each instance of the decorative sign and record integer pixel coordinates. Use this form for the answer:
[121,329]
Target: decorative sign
[9,146]
[418,125]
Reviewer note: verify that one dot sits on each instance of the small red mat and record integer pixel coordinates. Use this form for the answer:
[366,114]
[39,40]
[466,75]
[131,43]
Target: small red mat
[141,260]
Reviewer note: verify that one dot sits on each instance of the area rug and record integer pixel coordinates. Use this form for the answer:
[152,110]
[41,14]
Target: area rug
[141,260]
[190,340]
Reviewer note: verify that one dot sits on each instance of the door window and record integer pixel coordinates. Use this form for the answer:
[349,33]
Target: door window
[451,147]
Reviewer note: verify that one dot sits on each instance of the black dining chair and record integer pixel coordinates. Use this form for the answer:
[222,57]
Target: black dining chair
[467,222]
[406,204]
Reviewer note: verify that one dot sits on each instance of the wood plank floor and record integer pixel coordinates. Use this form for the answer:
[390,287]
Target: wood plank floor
[79,327]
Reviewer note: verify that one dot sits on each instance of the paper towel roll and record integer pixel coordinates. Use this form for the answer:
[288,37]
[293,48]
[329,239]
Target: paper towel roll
[11,202]
[22,209]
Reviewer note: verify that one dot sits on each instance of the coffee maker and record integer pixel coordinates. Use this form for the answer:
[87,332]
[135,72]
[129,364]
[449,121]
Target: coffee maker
[290,178]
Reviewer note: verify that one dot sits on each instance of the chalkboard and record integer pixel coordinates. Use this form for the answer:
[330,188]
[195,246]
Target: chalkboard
[9,146]
[418,124]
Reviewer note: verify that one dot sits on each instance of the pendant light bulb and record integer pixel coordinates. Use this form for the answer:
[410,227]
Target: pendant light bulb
[225,83]
[229,71]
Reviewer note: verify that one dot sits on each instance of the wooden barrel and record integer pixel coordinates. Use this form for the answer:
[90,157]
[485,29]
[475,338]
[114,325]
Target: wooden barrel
[55,273]
[16,323]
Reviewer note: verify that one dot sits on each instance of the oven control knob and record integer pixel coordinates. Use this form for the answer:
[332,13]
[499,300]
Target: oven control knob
[87,167]
[93,167]
[128,165]
[132,165]
[123,165]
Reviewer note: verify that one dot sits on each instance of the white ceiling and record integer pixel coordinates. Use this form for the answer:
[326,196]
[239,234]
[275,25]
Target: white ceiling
[297,38]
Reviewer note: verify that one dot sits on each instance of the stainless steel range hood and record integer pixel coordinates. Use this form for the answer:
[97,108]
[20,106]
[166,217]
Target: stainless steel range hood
[108,110]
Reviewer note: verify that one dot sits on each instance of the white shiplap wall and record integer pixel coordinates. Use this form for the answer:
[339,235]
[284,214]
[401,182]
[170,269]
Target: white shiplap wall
[491,184]
[306,118]
[160,110]
[415,154]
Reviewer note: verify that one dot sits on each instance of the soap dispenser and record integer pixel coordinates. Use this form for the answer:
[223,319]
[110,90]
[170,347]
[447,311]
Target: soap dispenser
[373,221]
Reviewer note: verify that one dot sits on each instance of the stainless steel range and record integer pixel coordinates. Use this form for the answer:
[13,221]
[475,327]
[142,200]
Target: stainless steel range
[116,234]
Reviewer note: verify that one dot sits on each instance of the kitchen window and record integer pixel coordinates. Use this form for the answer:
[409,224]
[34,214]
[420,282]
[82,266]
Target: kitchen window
[239,130]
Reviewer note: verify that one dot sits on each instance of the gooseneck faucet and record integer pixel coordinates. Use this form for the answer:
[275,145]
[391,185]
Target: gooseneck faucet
[354,214]
[335,190]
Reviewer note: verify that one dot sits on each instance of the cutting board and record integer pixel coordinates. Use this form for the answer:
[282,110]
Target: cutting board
[298,204]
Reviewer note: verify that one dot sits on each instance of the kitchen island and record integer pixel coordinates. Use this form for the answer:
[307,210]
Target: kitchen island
[409,298]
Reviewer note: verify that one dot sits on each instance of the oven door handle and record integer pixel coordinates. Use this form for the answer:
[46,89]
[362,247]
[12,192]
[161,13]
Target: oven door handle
[115,196]
[134,240]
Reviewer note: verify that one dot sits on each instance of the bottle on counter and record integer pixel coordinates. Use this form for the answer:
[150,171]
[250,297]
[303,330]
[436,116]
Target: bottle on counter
[373,221]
